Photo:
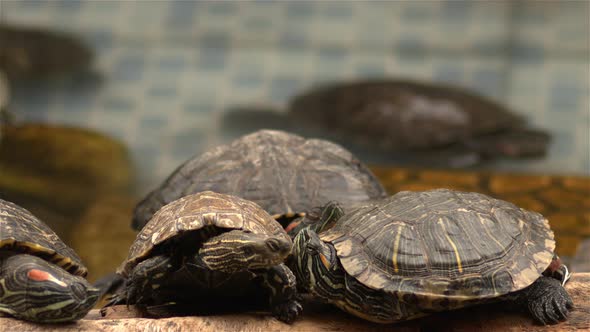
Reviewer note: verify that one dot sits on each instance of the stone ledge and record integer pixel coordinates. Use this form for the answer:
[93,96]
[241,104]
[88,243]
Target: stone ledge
[327,318]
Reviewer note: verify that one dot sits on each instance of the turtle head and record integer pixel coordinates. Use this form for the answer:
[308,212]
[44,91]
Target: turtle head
[313,258]
[35,290]
[240,250]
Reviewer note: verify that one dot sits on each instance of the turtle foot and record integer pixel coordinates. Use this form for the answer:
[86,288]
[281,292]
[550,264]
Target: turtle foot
[288,311]
[548,302]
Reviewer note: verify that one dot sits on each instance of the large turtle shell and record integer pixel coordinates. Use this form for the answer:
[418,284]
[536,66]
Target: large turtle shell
[22,232]
[398,114]
[284,173]
[194,212]
[443,244]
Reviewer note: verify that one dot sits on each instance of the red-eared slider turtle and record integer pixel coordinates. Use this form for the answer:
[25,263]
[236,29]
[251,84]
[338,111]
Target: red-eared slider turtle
[27,52]
[41,279]
[205,246]
[420,252]
[286,174]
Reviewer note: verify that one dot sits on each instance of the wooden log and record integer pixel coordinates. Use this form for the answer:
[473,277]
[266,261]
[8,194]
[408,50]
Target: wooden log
[326,318]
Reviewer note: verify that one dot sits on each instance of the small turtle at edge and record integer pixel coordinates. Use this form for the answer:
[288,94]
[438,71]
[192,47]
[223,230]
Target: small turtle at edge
[416,253]
[41,279]
[286,174]
[206,246]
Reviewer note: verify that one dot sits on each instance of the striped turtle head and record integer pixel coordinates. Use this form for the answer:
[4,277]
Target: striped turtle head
[313,259]
[35,290]
[240,250]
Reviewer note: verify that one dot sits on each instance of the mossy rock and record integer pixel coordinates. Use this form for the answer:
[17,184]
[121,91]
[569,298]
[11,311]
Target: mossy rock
[103,235]
[62,169]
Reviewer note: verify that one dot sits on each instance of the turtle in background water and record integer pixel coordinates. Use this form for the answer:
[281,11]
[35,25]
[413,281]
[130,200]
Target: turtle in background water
[416,253]
[286,174]
[41,279]
[407,122]
[28,52]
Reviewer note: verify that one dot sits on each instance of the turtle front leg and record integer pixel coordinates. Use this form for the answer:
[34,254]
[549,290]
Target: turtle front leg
[145,278]
[546,300]
[280,282]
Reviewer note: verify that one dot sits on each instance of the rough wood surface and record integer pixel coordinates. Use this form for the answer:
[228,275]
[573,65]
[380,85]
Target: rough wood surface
[325,318]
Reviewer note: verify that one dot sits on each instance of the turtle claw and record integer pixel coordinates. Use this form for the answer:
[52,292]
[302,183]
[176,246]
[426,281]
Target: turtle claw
[550,313]
[548,301]
[288,311]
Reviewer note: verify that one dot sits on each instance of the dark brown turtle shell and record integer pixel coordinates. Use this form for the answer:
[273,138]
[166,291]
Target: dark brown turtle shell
[400,114]
[284,173]
[22,232]
[195,212]
[441,243]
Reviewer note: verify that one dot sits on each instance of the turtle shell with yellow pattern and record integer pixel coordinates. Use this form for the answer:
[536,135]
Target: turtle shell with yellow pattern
[21,231]
[443,247]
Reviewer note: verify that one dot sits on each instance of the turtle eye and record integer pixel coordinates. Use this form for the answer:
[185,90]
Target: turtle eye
[273,244]
[311,249]
[78,290]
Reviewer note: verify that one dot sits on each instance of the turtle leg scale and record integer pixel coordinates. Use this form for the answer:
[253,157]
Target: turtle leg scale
[547,301]
[145,277]
[280,281]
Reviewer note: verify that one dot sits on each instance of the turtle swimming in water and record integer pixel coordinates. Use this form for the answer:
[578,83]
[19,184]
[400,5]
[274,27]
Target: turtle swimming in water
[286,174]
[416,253]
[209,246]
[41,279]
[402,121]
[418,119]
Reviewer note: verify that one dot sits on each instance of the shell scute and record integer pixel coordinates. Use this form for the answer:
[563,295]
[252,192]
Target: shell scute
[195,212]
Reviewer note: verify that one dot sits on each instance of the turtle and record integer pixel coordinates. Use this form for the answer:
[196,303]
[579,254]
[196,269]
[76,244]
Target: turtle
[30,52]
[41,279]
[286,174]
[415,253]
[405,122]
[206,246]
[411,116]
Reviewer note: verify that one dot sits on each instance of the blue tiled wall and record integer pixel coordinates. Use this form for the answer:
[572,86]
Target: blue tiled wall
[172,68]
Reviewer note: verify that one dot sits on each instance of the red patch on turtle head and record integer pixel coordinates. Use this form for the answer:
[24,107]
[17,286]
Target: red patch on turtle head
[38,275]
[292,226]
